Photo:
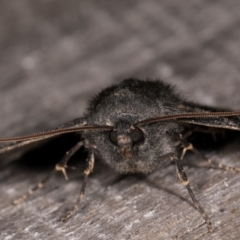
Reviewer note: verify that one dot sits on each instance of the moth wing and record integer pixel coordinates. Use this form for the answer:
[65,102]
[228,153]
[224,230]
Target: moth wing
[231,122]
[15,149]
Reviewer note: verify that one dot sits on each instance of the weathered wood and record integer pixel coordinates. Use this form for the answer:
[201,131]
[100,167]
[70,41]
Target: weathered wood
[55,55]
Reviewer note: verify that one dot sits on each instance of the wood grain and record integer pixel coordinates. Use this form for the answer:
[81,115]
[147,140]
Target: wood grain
[56,55]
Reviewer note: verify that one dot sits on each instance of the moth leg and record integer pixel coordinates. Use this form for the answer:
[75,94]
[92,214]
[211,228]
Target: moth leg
[183,178]
[188,146]
[61,166]
[87,171]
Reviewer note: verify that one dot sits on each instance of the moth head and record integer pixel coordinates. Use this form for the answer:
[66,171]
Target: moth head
[125,137]
[128,148]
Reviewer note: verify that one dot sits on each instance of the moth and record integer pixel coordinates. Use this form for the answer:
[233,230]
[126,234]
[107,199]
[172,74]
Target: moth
[135,126]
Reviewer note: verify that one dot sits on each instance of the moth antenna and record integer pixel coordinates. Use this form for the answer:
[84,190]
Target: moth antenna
[53,133]
[188,115]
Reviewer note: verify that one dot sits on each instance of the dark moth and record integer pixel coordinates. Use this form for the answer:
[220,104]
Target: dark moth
[135,127]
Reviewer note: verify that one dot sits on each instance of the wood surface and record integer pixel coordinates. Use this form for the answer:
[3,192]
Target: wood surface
[55,55]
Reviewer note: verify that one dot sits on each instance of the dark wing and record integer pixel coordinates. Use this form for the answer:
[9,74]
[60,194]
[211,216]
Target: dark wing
[232,122]
[12,150]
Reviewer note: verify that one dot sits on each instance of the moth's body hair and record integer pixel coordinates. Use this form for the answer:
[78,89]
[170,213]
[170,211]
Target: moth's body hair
[135,127]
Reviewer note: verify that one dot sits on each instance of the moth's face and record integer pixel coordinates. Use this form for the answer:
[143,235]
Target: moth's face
[129,149]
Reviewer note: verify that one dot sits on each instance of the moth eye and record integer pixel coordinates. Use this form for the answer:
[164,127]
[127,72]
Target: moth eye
[113,136]
[136,135]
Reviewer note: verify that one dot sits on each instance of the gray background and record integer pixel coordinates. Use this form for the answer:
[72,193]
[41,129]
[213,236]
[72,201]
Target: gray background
[55,55]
